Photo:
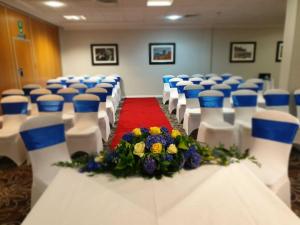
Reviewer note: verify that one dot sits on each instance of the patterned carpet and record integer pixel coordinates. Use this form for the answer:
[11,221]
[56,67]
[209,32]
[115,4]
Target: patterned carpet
[15,182]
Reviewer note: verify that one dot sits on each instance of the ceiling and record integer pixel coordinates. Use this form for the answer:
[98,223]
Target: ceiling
[133,14]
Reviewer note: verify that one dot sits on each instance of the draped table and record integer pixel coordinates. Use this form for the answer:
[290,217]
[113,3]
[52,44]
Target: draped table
[209,195]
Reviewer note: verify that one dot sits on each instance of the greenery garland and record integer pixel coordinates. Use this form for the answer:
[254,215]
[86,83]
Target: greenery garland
[155,152]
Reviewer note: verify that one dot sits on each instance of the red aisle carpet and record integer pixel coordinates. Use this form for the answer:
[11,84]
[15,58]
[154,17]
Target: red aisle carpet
[139,112]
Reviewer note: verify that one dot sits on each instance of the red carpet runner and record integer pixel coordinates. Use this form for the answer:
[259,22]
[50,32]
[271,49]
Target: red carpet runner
[139,112]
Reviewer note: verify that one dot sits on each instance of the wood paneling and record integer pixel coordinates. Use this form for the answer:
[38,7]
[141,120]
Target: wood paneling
[38,52]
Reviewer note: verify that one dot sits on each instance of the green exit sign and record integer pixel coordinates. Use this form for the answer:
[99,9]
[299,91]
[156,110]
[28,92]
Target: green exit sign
[20,29]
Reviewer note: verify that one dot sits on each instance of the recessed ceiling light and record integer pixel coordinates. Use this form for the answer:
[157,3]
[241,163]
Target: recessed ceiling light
[174,17]
[159,2]
[54,4]
[75,17]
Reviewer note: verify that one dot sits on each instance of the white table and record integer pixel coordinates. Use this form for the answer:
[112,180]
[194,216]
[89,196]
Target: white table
[209,195]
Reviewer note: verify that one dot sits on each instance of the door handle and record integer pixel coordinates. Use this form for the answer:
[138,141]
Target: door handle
[21,72]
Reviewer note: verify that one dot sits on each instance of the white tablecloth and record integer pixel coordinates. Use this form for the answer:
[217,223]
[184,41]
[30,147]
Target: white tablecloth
[209,195]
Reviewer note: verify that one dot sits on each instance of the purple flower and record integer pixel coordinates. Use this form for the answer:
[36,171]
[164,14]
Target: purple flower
[91,166]
[189,152]
[164,130]
[111,156]
[152,139]
[149,165]
[168,157]
[128,137]
[169,140]
[193,161]
[145,130]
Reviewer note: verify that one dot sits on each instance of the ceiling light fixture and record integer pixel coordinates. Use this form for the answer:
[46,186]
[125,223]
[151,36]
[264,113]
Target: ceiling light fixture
[157,3]
[174,17]
[54,4]
[75,17]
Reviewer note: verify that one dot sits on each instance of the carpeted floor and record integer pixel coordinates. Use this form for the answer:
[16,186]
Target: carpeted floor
[15,182]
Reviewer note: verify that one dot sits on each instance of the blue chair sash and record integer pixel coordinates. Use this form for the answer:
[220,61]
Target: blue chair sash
[225,76]
[185,78]
[192,93]
[39,138]
[68,97]
[90,84]
[244,100]
[274,130]
[68,84]
[297,99]
[50,106]
[211,101]
[28,90]
[86,106]
[207,86]
[197,82]
[34,97]
[81,90]
[14,108]
[53,90]
[219,81]
[166,79]
[113,83]
[226,92]
[234,87]
[260,86]
[102,96]
[56,82]
[180,89]
[247,88]
[277,100]
[173,84]
[109,90]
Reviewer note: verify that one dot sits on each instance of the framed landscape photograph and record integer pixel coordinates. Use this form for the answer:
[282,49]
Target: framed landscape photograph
[162,53]
[279,51]
[242,52]
[104,54]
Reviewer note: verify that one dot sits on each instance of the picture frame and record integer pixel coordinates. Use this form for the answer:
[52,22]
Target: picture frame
[104,54]
[279,51]
[242,52]
[162,53]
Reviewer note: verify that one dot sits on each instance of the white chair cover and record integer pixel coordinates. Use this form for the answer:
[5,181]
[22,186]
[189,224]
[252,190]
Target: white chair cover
[80,87]
[115,92]
[29,87]
[73,81]
[248,86]
[210,75]
[192,113]
[233,83]
[273,133]
[226,76]
[277,99]
[245,104]
[110,109]
[44,139]
[196,80]
[207,84]
[213,130]
[68,111]
[173,100]
[228,111]
[217,79]
[202,76]
[53,81]
[239,78]
[180,108]
[85,136]
[34,94]
[183,77]
[12,92]
[117,86]
[260,84]
[54,88]
[166,89]
[14,110]
[102,112]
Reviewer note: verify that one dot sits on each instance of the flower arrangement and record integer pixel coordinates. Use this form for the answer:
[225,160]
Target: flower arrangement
[154,152]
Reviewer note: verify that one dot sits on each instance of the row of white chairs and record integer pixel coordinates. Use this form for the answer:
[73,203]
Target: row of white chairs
[269,140]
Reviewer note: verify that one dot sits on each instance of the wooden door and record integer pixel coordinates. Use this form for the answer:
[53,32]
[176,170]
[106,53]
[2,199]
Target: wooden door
[24,62]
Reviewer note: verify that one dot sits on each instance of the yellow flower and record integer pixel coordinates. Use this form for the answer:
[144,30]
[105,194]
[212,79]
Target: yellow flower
[137,132]
[155,130]
[156,148]
[172,149]
[99,158]
[139,149]
[175,133]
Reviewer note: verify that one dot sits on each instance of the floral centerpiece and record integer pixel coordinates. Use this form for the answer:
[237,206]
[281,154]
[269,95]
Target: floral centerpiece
[154,152]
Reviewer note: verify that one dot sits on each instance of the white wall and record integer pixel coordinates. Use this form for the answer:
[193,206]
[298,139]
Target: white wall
[193,54]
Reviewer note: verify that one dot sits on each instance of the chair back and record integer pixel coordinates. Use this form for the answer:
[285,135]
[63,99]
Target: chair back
[258,82]
[50,104]
[108,87]
[12,92]
[210,75]
[44,139]
[54,87]
[29,87]
[191,95]
[207,84]
[86,109]
[53,81]
[226,76]
[273,133]
[165,80]
[73,81]
[226,90]
[15,110]
[239,78]
[217,79]
[80,87]
[245,103]
[248,86]
[297,101]
[233,83]
[184,77]
[277,99]
[34,94]
[211,103]
[102,95]
[196,80]
[68,94]
[202,76]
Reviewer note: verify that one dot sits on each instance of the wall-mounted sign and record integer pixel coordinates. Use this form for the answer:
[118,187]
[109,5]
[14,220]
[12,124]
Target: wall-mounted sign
[20,29]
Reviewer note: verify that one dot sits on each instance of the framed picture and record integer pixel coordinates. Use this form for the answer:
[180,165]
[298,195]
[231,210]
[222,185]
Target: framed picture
[242,52]
[105,54]
[279,51]
[162,53]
